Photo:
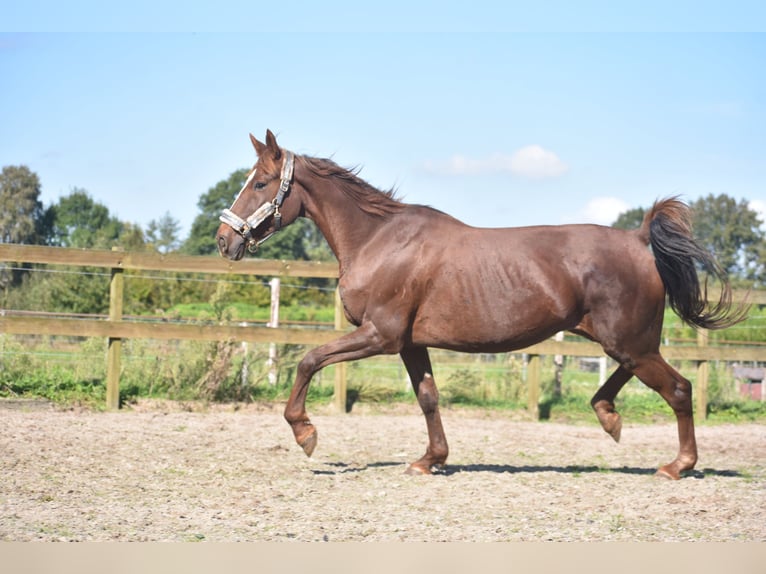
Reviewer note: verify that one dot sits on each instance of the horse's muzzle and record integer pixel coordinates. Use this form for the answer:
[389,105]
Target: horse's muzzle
[232,249]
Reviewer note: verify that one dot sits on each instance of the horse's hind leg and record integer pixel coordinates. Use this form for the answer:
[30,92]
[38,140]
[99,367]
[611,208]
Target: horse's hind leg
[677,392]
[603,402]
[418,366]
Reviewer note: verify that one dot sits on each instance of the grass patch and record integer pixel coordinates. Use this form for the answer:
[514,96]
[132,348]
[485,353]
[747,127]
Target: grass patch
[239,311]
[73,371]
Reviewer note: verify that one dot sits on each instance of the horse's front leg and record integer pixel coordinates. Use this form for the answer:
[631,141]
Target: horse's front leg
[363,342]
[418,366]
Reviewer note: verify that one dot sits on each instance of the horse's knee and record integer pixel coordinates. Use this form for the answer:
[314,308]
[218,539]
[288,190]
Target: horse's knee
[307,366]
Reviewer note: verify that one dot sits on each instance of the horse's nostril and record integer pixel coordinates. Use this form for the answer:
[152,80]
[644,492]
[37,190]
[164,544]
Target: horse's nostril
[222,244]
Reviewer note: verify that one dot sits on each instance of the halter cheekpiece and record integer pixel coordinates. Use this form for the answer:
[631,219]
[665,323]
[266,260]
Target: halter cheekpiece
[246,227]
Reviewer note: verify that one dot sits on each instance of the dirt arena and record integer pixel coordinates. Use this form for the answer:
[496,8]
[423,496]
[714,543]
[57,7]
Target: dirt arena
[165,472]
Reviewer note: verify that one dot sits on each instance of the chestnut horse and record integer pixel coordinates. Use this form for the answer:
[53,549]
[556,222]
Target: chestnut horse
[412,277]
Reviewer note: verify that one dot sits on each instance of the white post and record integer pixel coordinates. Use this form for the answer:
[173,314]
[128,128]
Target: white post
[273,323]
[602,370]
[244,371]
[558,364]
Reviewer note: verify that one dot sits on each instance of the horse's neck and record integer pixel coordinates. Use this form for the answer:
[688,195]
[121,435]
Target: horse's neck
[345,227]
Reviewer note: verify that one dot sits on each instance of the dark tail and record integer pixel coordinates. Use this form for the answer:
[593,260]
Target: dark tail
[667,228]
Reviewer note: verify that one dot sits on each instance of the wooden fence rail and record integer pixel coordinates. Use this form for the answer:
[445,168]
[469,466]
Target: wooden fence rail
[116,328]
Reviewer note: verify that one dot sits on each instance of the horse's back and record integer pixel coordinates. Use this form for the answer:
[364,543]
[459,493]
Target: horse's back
[502,289]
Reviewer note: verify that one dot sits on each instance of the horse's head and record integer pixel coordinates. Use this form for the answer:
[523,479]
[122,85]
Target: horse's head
[262,206]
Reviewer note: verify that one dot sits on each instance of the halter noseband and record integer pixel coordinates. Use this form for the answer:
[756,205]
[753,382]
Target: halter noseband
[246,227]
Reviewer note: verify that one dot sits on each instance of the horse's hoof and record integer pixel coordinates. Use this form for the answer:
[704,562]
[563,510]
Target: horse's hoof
[414,470]
[667,472]
[610,420]
[616,428]
[309,443]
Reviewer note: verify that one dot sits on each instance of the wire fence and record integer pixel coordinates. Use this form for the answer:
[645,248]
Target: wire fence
[489,370]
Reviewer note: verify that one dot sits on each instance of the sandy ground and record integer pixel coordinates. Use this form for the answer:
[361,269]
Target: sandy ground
[166,472]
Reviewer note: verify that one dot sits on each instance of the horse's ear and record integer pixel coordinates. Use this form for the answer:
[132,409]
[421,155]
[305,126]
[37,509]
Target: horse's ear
[271,143]
[259,147]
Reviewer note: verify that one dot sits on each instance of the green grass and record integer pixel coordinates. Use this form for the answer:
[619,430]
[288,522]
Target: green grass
[72,371]
[239,311]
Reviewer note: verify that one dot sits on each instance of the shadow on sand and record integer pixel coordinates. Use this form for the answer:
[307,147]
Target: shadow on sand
[449,470]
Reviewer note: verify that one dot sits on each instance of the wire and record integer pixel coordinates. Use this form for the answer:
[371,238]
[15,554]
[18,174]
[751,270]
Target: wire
[167,278]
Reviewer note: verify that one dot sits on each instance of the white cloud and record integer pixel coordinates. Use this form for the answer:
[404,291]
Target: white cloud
[532,161]
[461,165]
[602,210]
[535,162]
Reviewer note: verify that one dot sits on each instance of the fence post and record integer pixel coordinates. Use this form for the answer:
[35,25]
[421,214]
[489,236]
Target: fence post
[702,377]
[341,387]
[533,386]
[274,284]
[114,348]
[558,367]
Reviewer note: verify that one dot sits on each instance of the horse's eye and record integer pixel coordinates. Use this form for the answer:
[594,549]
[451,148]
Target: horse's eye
[259,185]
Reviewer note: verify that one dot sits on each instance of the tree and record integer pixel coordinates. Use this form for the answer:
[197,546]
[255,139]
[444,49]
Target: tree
[20,216]
[21,210]
[630,219]
[201,240]
[163,233]
[76,220]
[732,231]
[726,227]
[79,221]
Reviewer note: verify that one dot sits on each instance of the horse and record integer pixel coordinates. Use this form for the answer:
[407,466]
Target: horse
[412,278]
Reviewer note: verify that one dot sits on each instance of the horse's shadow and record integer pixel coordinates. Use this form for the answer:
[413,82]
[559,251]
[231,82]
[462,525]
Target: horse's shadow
[574,470]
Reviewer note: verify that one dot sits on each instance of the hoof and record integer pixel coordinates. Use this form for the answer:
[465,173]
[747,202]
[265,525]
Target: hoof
[610,420]
[309,443]
[414,470]
[662,473]
[615,429]
[668,472]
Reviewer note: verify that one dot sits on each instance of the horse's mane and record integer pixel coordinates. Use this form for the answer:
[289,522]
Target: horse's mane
[369,199]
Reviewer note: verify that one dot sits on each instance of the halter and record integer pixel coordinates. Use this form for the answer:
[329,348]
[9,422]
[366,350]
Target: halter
[245,227]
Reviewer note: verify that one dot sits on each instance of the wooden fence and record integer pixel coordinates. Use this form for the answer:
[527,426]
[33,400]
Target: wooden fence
[116,327]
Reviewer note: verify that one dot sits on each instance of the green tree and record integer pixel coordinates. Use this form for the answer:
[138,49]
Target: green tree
[21,215]
[201,240]
[132,237]
[77,220]
[21,210]
[162,233]
[732,231]
[728,228]
[630,219]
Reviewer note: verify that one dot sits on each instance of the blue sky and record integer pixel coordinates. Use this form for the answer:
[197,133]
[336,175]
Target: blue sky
[499,128]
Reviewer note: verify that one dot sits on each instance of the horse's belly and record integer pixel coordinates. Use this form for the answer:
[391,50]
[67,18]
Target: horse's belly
[496,331]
